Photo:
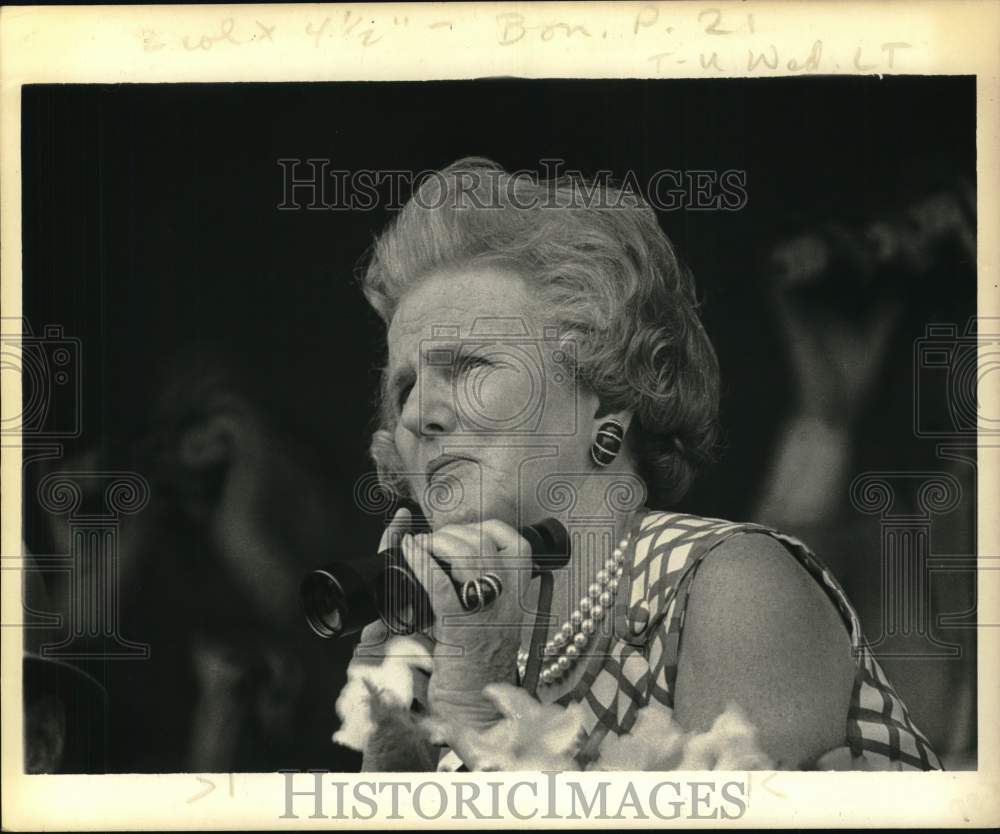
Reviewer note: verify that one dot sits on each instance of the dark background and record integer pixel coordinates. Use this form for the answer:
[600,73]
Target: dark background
[150,217]
[150,223]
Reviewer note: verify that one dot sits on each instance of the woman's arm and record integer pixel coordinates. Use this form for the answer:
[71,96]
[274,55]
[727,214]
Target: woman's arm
[760,633]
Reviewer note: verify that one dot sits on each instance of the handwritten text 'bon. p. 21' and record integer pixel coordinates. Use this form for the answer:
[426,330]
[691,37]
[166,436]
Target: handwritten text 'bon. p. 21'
[664,41]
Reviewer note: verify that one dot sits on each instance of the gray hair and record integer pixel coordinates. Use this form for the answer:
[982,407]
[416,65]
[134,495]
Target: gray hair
[602,269]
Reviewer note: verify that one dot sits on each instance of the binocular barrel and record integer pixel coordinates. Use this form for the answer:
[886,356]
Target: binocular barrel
[342,598]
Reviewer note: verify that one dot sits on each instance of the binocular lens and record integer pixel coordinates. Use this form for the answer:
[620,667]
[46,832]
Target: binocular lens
[343,598]
[323,599]
[401,601]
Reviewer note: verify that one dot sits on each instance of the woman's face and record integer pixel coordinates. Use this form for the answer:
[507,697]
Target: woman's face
[485,397]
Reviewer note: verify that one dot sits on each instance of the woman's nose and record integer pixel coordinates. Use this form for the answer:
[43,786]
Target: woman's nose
[429,409]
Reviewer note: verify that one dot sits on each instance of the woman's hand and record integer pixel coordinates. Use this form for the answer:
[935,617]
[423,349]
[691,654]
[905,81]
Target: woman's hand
[471,648]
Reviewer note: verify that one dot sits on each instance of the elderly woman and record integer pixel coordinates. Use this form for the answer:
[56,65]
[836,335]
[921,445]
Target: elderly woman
[542,336]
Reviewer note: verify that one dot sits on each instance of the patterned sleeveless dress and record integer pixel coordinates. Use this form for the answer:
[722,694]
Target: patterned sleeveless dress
[636,660]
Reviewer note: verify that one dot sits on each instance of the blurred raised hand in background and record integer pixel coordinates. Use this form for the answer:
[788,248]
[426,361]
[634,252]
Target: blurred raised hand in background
[842,297]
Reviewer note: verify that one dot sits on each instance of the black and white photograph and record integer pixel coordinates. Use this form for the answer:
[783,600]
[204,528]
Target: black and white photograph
[500,424]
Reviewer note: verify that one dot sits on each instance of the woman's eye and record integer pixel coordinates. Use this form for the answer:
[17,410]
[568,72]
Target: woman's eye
[475,361]
[481,360]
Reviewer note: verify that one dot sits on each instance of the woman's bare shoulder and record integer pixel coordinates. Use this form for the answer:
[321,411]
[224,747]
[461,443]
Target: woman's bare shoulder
[760,632]
[758,576]
[751,582]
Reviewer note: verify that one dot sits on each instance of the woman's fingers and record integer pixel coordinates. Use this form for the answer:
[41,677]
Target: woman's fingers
[472,549]
[509,543]
[374,636]
[375,632]
[399,525]
[461,549]
[512,561]
[494,550]
[444,600]
[417,552]
[471,534]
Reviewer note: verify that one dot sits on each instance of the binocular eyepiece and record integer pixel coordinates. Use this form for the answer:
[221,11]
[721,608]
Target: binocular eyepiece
[341,599]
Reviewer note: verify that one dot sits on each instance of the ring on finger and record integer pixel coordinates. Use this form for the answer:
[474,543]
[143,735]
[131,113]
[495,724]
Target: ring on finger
[491,587]
[472,596]
[479,593]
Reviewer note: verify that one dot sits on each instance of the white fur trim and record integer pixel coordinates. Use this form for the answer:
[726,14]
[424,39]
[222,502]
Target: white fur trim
[533,736]
[393,678]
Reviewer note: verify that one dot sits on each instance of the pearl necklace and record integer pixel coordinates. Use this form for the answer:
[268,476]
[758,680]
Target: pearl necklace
[574,634]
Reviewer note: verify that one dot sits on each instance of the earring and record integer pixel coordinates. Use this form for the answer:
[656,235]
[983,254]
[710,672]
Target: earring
[608,442]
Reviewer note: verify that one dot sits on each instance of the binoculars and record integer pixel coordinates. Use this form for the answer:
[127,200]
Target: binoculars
[341,599]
